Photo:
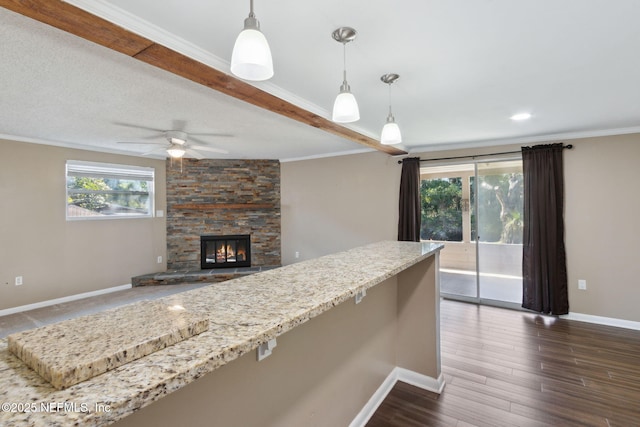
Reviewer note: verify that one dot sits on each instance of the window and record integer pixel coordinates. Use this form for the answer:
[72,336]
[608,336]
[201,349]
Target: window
[101,191]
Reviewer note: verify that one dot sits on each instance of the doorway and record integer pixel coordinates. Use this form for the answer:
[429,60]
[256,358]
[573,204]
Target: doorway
[475,209]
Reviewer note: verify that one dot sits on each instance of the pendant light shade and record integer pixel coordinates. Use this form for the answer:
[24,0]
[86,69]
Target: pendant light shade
[391,131]
[251,57]
[391,134]
[345,107]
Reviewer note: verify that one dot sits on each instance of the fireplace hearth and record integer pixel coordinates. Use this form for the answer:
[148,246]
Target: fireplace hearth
[225,251]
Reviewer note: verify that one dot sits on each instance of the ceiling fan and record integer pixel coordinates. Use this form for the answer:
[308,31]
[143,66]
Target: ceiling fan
[176,145]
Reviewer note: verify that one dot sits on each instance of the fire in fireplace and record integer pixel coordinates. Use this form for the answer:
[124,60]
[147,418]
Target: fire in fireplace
[225,251]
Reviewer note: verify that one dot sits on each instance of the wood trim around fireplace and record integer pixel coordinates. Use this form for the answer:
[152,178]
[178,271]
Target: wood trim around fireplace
[214,206]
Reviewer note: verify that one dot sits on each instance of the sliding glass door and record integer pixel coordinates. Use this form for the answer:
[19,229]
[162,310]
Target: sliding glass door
[446,217]
[498,220]
[475,209]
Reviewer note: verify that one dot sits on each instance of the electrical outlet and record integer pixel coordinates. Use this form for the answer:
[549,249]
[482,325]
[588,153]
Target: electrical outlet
[582,285]
[18,280]
[160,260]
[297,254]
[360,295]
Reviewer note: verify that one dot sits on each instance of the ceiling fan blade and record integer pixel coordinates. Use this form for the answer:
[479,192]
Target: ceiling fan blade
[154,150]
[207,148]
[219,134]
[194,154]
[154,136]
[202,141]
[130,125]
[140,142]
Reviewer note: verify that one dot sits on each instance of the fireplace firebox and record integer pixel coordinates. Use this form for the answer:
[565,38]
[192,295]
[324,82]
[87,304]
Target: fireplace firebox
[225,251]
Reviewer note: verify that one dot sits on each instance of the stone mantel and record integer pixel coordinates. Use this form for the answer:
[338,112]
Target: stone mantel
[213,206]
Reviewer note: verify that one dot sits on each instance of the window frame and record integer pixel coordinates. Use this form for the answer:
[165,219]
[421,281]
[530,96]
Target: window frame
[81,168]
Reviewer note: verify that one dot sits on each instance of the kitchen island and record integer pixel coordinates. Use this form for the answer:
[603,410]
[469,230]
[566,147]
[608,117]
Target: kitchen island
[333,359]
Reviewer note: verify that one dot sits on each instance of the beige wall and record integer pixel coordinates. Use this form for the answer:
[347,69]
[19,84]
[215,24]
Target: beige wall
[338,203]
[57,258]
[602,226]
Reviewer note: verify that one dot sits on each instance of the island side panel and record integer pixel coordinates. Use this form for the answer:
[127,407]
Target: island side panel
[321,373]
[419,318]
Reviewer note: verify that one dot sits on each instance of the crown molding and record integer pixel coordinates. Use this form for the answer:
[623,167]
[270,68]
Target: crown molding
[524,140]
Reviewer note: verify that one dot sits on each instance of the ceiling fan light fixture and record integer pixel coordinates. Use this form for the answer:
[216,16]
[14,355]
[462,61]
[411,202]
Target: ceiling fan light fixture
[345,107]
[251,57]
[390,131]
[176,151]
[176,137]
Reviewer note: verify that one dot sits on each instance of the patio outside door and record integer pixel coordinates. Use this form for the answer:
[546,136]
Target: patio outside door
[481,227]
[499,231]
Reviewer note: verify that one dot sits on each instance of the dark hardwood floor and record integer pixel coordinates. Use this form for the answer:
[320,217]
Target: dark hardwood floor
[510,368]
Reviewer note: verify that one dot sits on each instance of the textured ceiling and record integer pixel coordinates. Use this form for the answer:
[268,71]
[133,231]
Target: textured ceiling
[465,66]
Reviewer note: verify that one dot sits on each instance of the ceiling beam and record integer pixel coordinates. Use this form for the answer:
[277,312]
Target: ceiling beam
[76,21]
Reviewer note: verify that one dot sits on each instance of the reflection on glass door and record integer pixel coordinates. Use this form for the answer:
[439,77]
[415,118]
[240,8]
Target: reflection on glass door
[498,221]
[481,227]
[446,217]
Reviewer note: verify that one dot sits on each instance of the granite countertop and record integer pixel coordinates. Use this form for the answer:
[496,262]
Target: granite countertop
[93,350]
[243,313]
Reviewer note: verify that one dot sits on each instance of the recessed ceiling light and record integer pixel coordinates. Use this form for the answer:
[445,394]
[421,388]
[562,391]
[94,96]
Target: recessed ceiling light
[521,116]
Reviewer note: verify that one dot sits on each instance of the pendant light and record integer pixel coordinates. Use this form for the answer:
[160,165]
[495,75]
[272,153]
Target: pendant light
[345,107]
[251,57]
[391,131]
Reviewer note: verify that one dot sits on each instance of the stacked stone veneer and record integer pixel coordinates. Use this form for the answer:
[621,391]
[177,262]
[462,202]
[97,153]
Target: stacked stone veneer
[219,197]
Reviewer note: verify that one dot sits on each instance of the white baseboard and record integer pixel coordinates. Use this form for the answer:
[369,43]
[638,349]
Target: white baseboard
[608,321]
[48,303]
[397,374]
[422,381]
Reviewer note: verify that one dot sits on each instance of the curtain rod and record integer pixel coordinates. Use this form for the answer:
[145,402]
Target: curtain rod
[568,147]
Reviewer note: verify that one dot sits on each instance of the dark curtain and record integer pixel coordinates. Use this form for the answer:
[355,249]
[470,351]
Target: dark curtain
[409,221]
[544,268]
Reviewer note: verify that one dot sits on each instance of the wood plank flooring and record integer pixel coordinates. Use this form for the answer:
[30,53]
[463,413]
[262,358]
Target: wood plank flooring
[510,368]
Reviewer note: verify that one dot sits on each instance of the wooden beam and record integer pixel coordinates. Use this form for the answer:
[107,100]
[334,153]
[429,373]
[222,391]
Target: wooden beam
[76,21]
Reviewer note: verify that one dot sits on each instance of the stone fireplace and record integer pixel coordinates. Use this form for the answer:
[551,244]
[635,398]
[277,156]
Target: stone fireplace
[216,197]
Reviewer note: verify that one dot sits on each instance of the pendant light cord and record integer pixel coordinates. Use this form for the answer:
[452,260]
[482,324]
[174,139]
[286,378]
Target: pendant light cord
[344,63]
[251,14]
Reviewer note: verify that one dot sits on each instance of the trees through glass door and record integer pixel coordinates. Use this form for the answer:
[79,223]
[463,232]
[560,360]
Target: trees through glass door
[475,209]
